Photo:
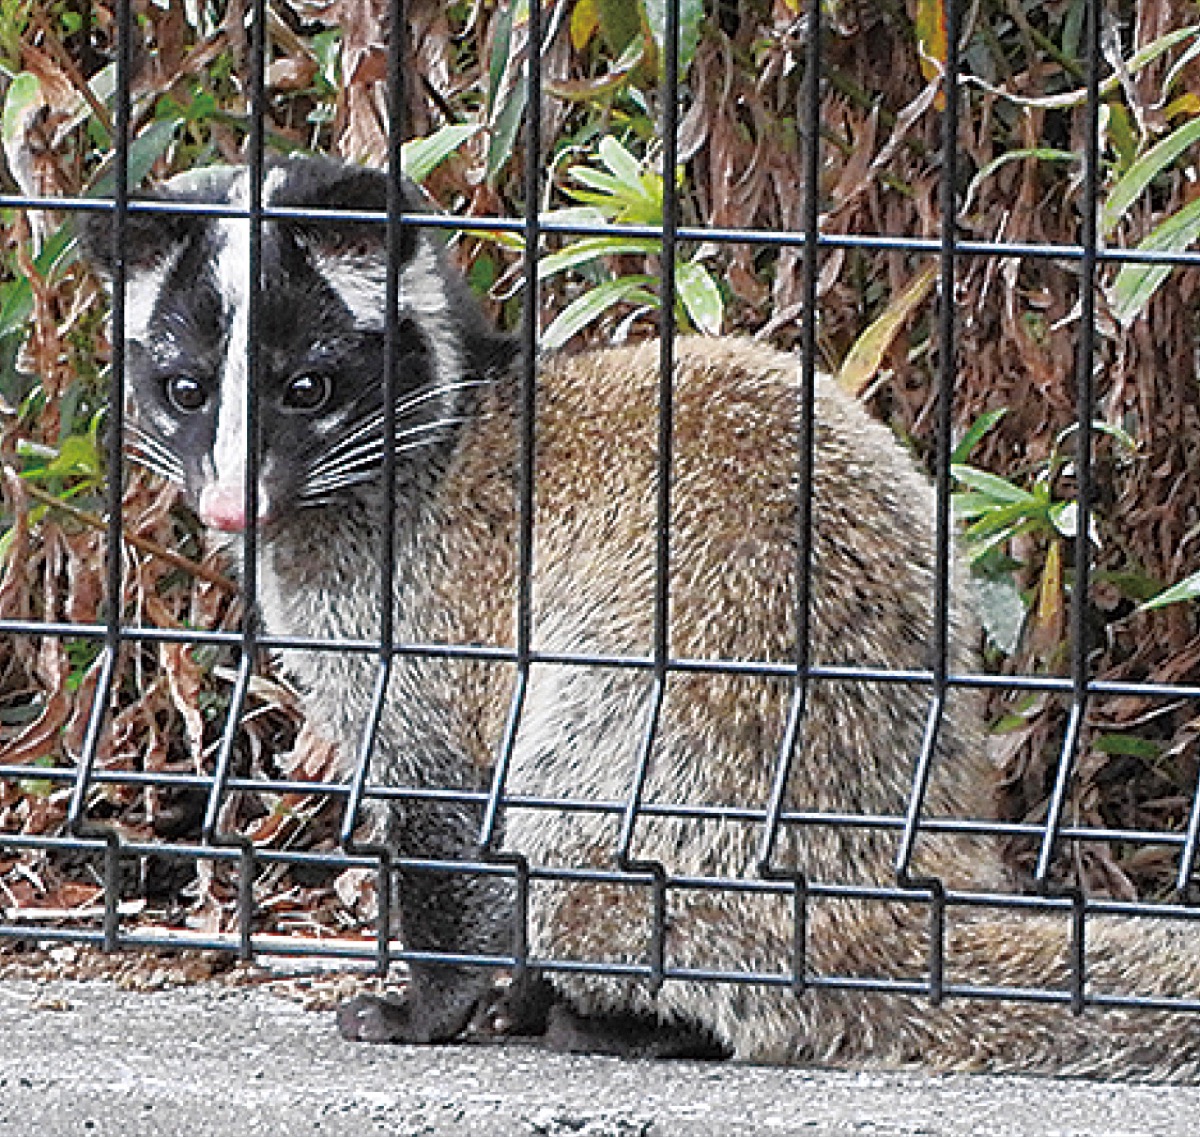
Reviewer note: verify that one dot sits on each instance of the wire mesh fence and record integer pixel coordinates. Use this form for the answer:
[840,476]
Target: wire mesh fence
[264,840]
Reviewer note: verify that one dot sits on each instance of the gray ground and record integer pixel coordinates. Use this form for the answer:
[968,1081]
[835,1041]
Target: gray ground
[85,1058]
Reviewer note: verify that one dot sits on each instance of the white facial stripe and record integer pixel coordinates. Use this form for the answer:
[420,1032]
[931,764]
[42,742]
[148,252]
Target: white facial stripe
[361,283]
[142,290]
[231,443]
[423,291]
[233,284]
[276,177]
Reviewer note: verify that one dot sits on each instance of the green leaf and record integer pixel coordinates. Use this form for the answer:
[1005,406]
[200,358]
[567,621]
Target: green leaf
[421,156]
[599,86]
[16,307]
[691,16]
[604,184]
[629,191]
[593,304]
[620,22]
[971,505]
[1187,589]
[76,456]
[1000,518]
[24,95]
[574,215]
[1042,153]
[1077,97]
[144,151]
[1122,135]
[592,248]
[624,165]
[974,433]
[1137,283]
[1132,584]
[980,547]
[865,356]
[503,117]
[1177,68]
[1133,183]
[701,297]
[501,47]
[995,487]
[504,128]
[1127,745]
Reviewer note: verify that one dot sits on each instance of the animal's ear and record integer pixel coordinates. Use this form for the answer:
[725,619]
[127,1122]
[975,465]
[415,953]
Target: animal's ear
[146,238]
[316,185]
[320,184]
[151,231]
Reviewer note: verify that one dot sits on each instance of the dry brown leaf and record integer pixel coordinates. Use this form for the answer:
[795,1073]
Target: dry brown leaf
[39,739]
[291,74]
[75,729]
[185,681]
[15,571]
[360,128]
[84,576]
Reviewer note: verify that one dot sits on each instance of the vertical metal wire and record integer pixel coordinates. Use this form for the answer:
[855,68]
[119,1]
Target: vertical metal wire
[1191,847]
[77,824]
[1084,413]
[397,117]
[492,823]
[353,813]
[254,166]
[1084,410]
[223,765]
[396,99]
[947,327]
[943,534]
[793,735]
[661,641]
[526,424]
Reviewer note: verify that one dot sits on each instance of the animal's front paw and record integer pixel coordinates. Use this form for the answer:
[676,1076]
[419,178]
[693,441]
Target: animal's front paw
[518,1008]
[371,1018]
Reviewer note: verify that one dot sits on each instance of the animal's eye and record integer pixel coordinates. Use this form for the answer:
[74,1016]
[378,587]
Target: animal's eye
[307,392]
[185,393]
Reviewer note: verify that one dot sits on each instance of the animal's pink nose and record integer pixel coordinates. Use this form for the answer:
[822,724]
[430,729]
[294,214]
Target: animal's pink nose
[223,506]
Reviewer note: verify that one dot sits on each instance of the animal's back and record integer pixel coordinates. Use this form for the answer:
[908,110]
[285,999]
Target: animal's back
[735,497]
[734,520]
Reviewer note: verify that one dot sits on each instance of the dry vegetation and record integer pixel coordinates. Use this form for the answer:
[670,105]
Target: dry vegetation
[740,148]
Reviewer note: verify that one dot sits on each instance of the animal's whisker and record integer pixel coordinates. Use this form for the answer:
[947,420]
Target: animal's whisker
[374,446]
[155,466]
[362,468]
[149,452]
[423,396]
[374,422]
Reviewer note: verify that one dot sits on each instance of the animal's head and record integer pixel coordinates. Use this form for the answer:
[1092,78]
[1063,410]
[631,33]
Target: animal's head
[319,339]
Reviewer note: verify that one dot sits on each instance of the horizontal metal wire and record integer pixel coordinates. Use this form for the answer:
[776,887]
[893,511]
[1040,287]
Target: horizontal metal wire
[680,810]
[548,226]
[107,926]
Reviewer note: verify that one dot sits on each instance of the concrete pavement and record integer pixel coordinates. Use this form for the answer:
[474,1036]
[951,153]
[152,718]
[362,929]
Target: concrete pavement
[87,1058]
